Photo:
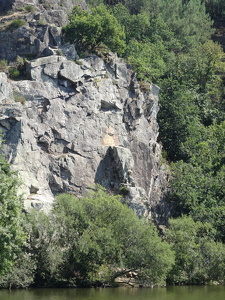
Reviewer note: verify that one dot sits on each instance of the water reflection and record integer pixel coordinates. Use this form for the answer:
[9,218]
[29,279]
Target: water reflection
[169,293]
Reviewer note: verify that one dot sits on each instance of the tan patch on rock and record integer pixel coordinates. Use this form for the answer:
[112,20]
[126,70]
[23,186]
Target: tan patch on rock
[110,138]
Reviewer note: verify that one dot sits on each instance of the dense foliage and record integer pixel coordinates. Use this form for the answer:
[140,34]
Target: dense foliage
[90,241]
[199,259]
[89,30]
[12,235]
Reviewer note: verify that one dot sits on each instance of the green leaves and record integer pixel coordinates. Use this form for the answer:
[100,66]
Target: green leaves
[198,259]
[146,59]
[95,238]
[113,236]
[12,235]
[198,183]
[87,30]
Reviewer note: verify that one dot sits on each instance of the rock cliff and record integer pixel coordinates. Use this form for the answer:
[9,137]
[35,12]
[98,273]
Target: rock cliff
[71,123]
[40,34]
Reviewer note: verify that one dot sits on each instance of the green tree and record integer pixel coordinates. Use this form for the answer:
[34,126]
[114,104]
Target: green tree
[87,30]
[198,259]
[189,21]
[100,232]
[207,62]
[147,59]
[215,7]
[91,241]
[178,118]
[44,247]
[135,26]
[12,236]
[197,186]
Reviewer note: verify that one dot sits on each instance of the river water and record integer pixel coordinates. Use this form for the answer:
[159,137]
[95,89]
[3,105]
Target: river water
[169,293]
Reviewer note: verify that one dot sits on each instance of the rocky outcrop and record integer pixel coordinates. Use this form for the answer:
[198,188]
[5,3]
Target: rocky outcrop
[6,5]
[41,31]
[73,124]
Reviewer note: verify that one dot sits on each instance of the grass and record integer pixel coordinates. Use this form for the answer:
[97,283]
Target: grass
[13,25]
[14,72]
[3,65]
[29,8]
[19,98]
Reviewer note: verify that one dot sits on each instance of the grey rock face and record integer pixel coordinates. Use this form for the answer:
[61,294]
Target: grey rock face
[41,33]
[28,41]
[79,124]
[6,5]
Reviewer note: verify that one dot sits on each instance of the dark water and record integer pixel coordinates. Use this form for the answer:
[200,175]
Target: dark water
[169,293]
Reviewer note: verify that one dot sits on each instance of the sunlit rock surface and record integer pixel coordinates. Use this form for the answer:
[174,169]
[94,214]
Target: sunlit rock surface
[73,124]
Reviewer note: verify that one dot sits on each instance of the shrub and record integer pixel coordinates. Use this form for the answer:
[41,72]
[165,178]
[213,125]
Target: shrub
[20,61]
[29,8]
[3,65]
[19,98]
[145,86]
[14,72]
[12,236]
[108,234]
[198,258]
[21,275]
[59,52]
[95,240]
[15,24]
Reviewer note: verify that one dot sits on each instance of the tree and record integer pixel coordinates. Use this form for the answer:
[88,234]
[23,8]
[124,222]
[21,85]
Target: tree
[215,7]
[87,30]
[12,236]
[91,241]
[178,118]
[197,186]
[187,20]
[136,26]
[198,259]
[208,62]
[146,59]
[99,233]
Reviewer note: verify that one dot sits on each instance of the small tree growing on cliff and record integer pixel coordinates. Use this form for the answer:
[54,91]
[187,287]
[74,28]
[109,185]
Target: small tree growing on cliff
[88,30]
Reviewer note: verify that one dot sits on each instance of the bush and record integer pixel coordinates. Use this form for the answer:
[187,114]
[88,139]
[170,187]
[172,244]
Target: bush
[21,275]
[3,65]
[29,8]
[15,24]
[12,236]
[198,258]
[95,239]
[59,52]
[19,98]
[13,72]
